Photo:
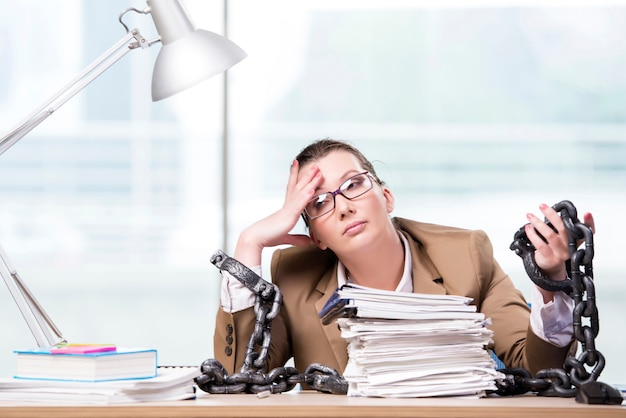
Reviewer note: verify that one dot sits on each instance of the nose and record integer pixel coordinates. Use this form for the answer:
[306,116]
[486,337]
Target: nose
[343,205]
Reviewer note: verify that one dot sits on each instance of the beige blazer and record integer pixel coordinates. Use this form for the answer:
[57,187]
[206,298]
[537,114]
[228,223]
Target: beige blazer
[446,260]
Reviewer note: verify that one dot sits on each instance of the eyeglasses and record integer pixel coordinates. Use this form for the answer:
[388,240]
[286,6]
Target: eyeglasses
[352,188]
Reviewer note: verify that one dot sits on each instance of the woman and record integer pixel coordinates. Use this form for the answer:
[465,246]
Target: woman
[352,238]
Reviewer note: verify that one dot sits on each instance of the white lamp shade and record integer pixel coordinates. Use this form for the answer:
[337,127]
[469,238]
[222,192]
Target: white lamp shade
[190,60]
[188,55]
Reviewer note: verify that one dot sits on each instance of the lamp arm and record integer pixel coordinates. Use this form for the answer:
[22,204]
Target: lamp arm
[41,326]
[84,78]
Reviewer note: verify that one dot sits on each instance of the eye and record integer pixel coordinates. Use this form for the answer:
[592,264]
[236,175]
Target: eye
[352,183]
[320,201]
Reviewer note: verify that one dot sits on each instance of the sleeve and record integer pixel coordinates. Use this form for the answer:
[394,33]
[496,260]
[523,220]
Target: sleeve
[552,321]
[233,329]
[232,332]
[234,296]
[234,323]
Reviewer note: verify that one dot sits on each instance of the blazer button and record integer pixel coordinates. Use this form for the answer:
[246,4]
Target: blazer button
[229,339]
[229,328]
[229,351]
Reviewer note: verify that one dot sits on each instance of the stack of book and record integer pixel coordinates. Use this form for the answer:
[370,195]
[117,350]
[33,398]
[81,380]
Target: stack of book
[412,345]
[86,363]
[169,384]
[96,374]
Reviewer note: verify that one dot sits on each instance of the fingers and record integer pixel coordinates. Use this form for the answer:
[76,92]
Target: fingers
[553,217]
[589,221]
[547,232]
[309,178]
[531,232]
[551,244]
[301,187]
[298,178]
[293,175]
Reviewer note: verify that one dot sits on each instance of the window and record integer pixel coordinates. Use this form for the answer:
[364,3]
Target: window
[474,114]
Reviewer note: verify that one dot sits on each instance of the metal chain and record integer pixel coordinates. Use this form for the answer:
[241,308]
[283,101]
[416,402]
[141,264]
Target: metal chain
[251,379]
[568,381]
[565,382]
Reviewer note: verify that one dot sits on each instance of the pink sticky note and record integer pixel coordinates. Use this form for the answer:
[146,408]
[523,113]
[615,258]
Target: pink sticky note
[82,349]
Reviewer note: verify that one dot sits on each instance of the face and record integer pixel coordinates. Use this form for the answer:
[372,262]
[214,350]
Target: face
[355,223]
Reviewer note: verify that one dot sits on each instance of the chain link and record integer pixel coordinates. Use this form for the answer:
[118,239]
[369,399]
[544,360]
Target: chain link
[251,379]
[565,382]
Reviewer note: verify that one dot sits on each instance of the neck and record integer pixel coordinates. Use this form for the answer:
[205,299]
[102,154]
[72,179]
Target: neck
[380,266]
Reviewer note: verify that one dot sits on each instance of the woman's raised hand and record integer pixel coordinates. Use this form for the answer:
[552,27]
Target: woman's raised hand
[551,253]
[275,229]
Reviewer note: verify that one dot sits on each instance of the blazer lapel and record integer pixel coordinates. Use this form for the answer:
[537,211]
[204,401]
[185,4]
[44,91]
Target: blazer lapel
[326,287]
[425,274]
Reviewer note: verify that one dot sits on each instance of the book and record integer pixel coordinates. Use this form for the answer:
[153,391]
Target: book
[86,364]
[170,383]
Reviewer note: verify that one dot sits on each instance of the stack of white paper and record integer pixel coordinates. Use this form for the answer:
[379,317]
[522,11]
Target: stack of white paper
[171,383]
[415,345]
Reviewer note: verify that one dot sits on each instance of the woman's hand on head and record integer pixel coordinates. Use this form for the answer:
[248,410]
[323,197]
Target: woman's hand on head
[275,229]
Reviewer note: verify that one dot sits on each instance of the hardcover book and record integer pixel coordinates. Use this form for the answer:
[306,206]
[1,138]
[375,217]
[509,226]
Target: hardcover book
[171,383]
[51,363]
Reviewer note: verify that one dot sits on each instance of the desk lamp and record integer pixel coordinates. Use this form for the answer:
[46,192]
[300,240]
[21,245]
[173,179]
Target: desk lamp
[188,56]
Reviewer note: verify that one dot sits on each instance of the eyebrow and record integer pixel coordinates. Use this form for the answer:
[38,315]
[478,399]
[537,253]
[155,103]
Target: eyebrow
[345,176]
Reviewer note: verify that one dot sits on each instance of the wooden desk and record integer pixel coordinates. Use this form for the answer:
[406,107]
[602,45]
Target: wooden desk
[317,405]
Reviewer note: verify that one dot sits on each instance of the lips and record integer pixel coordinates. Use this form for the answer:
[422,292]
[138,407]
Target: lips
[354,228]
